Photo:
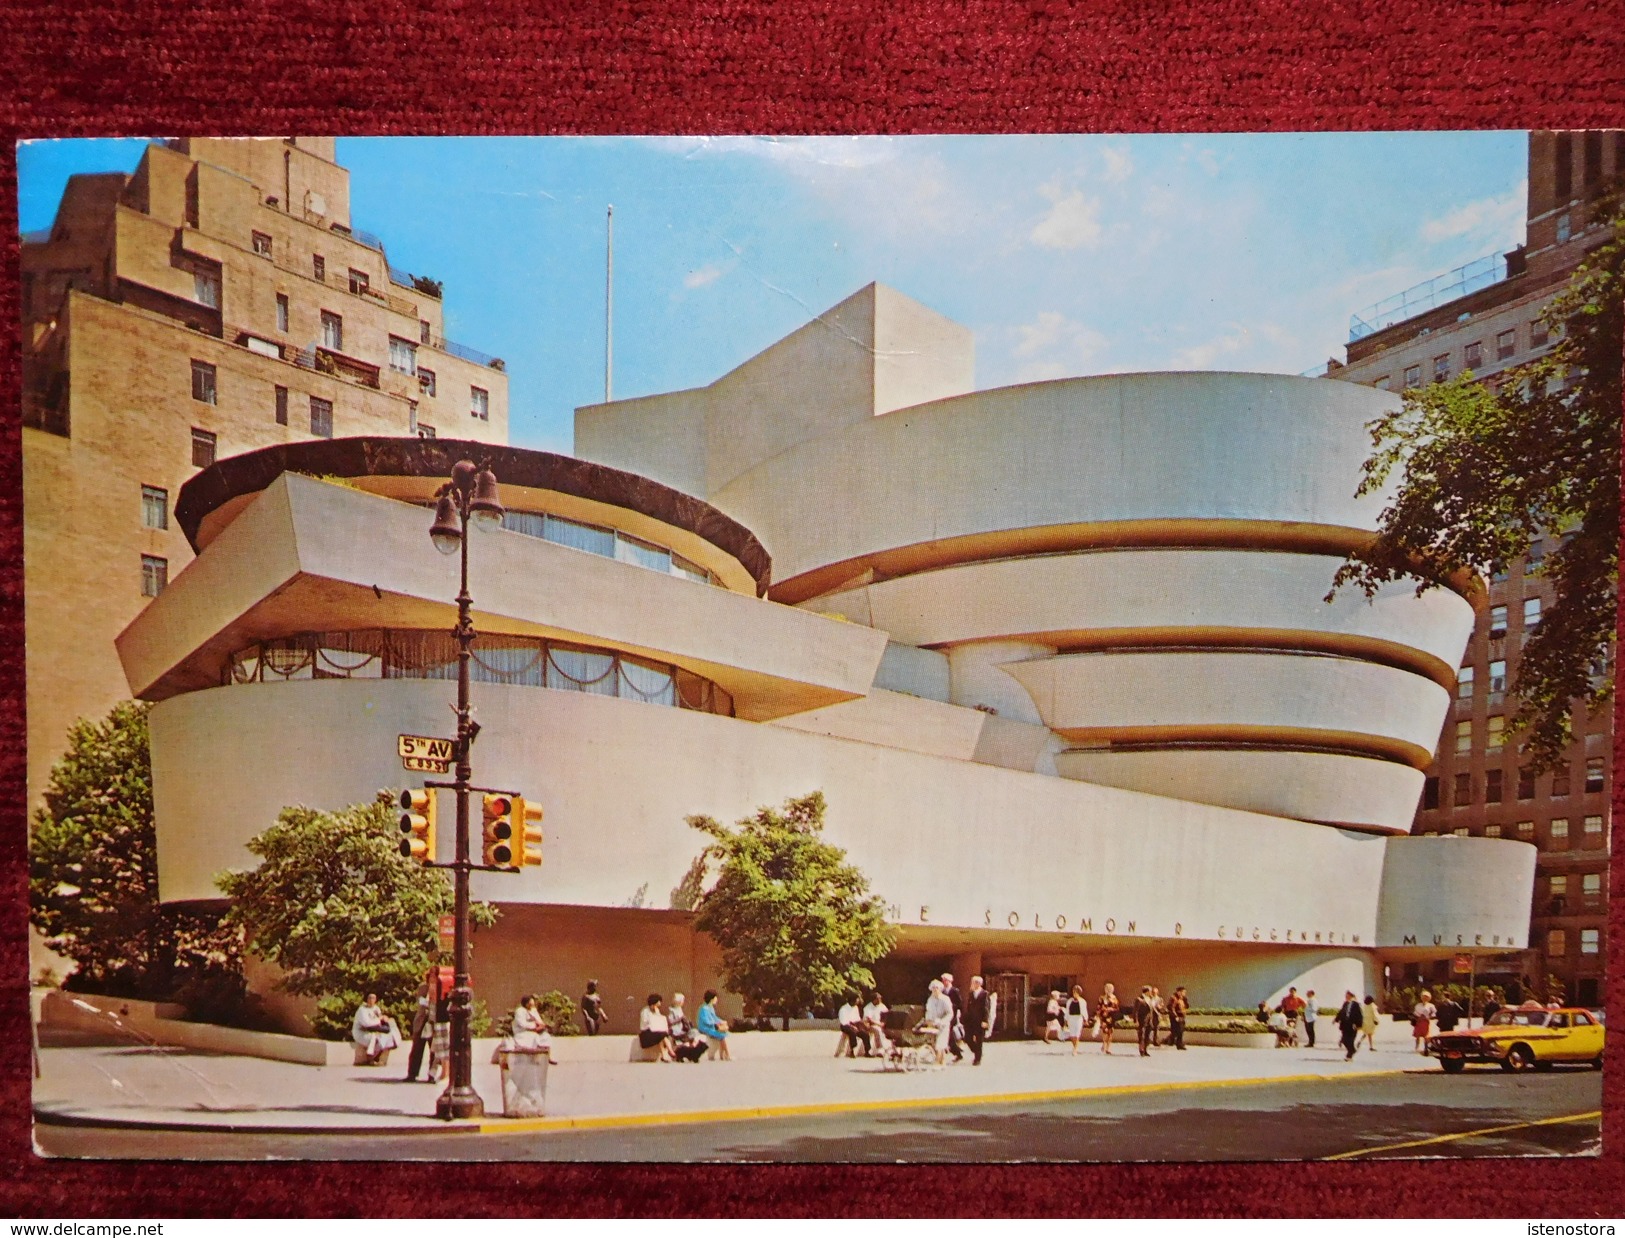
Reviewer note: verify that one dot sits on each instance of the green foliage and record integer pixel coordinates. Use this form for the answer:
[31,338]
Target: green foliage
[796,922]
[1402,1000]
[93,879]
[341,912]
[1486,472]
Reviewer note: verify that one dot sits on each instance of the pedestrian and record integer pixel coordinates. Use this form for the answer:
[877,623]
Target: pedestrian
[981,1007]
[1311,1011]
[1077,1017]
[939,1020]
[1263,1015]
[1054,1014]
[654,1028]
[956,1032]
[1292,1008]
[1449,1013]
[1179,1006]
[1144,1013]
[1106,1008]
[530,1030]
[713,1031]
[685,1045]
[592,1009]
[374,1030]
[1370,1016]
[1350,1019]
[1282,1029]
[422,1026]
[1422,1016]
[850,1018]
[874,1022]
[1157,1012]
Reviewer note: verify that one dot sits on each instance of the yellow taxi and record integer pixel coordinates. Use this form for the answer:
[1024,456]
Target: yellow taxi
[1524,1038]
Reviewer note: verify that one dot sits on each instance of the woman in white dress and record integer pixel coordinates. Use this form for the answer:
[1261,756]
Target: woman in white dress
[374,1030]
[1077,1017]
[939,1018]
[1422,1021]
[1054,1015]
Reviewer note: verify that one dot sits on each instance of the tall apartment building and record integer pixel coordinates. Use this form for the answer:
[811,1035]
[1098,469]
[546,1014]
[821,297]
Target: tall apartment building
[216,301]
[1484,317]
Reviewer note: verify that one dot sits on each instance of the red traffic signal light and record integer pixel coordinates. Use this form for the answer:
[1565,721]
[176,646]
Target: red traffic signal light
[499,817]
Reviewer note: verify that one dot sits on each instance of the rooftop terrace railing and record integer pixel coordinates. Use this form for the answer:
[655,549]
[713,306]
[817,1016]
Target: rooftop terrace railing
[1429,294]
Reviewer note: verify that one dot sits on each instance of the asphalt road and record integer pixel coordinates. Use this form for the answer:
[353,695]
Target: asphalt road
[1425,1114]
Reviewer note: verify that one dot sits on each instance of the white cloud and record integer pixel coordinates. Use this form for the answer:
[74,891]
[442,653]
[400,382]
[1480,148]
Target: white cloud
[1236,338]
[1073,221]
[1119,164]
[708,274]
[1053,346]
[1493,221]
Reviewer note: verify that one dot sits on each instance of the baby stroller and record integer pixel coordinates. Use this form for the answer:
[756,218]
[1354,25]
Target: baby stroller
[908,1046]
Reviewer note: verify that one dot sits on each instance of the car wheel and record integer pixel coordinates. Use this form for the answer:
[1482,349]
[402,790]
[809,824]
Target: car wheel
[1520,1057]
[1596,1062]
[1506,1063]
[1452,1065]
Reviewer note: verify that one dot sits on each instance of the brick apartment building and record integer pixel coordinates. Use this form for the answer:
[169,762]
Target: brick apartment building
[1483,317]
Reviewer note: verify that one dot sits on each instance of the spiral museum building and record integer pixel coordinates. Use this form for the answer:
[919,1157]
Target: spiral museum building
[1058,656]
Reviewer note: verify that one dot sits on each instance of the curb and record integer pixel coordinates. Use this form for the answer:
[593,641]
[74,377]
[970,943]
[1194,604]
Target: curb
[430,1126]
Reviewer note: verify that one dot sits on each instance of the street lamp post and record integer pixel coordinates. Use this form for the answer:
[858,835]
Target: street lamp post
[470,497]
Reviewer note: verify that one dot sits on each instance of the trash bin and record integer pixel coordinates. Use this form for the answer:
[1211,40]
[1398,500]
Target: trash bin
[524,1081]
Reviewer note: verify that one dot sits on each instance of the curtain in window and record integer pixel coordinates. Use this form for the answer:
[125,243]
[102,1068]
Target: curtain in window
[580,536]
[518,664]
[649,682]
[584,672]
[629,550]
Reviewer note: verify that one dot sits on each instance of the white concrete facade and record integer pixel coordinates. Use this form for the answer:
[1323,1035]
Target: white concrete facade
[1057,656]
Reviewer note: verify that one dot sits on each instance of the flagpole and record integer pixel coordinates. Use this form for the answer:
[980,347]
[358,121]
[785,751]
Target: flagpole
[609,311]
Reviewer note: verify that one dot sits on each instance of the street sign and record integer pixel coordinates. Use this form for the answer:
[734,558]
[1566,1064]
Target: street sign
[425,753]
[1462,964]
[448,930]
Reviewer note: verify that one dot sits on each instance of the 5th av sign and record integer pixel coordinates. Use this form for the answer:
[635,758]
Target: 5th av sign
[425,753]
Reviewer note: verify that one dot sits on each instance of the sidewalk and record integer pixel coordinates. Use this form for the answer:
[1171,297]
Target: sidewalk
[160,1088]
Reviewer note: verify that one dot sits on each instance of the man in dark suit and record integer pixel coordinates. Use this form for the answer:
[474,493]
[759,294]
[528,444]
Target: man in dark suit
[1349,1018]
[957,1034]
[422,1025]
[1145,1017]
[980,1006]
[1178,1006]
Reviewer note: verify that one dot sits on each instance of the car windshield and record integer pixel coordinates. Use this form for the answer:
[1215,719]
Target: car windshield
[1518,1018]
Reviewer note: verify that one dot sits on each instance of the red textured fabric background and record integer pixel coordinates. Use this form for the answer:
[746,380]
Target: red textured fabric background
[851,66]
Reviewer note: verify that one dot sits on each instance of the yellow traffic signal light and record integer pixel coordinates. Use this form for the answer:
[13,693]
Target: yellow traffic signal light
[528,817]
[499,818]
[417,824]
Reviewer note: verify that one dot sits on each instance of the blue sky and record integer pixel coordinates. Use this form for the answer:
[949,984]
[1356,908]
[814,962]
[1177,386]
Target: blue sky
[1066,255]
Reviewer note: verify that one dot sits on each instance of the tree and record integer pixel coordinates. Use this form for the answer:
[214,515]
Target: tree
[1485,472]
[93,878]
[796,922]
[337,907]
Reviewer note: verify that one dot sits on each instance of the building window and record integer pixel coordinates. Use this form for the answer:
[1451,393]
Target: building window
[1593,775]
[1593,827]
[403,355]
[423,332]
[1495,735]
[1526,785]
[1461,831]
[318,267]
[1463,791]
[1430,792]
[1492,786]
[426,381]
[1498,622]
[1506,344]
[358,281]
[1565,227]
[1557,885]
[425,431]
[1560,780]
[1537,334]
[1531,612]
[281,311]
[1590,940]
[321,417]
[262,244]
[1591,887]
[282,406]
[1535,557]
[203,448]
[332,331]
[1473,355]
[1526,829]
[206,288]
[1464,683]
[1498,675]
[1464,736]
[154,575]
[1413,376]
[411,416]
[1441,367]
[1492,831]
[1559,833]
[1382,384]
[481,400]
[154,507]
[1557,944]
[203,387]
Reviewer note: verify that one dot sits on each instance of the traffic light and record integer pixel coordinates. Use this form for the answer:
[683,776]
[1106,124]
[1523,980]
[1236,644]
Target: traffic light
[528,817]
[499,818]
[417,824]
